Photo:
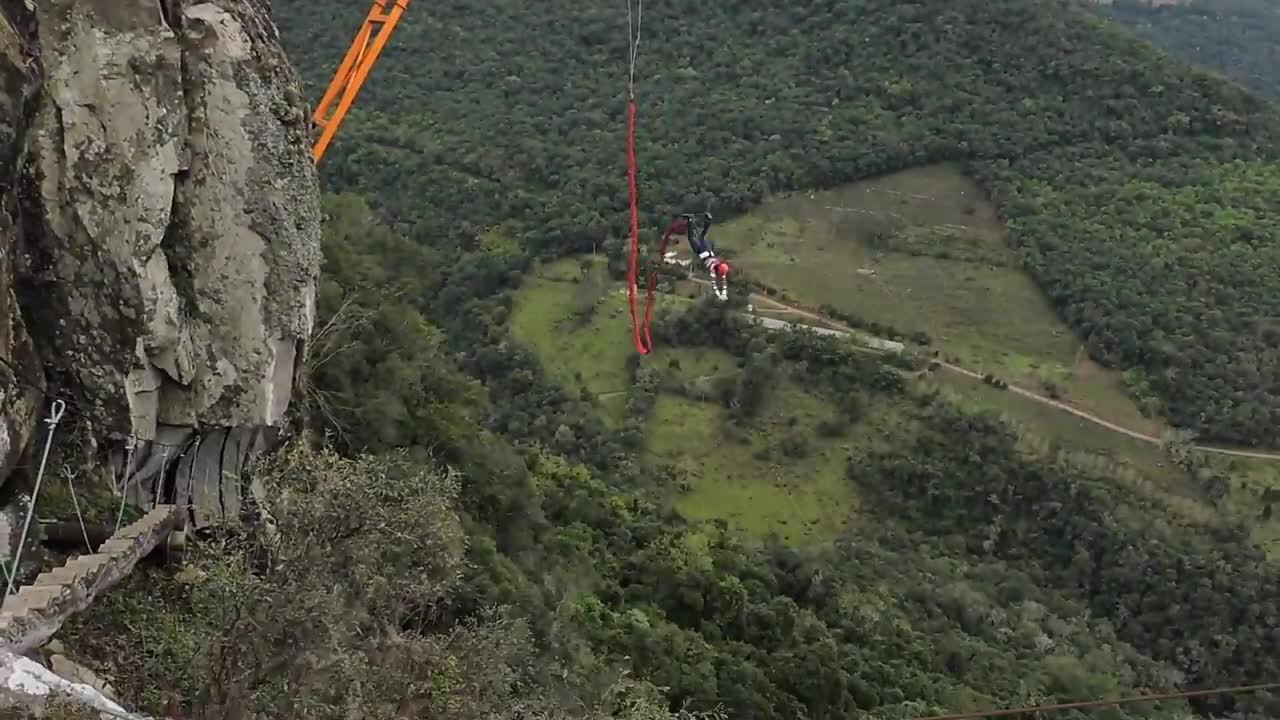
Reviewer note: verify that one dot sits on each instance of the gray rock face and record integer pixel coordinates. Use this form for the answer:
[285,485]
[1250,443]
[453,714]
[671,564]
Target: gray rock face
[21,375]
[166,222]
[11,517]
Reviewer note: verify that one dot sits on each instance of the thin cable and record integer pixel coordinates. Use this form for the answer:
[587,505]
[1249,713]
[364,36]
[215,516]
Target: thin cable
[124,486]
[633,47]
[1103,703]
[55,415]
[71,476]
[160,482]
[631,56]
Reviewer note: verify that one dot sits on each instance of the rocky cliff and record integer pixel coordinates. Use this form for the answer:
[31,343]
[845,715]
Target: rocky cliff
[159,240]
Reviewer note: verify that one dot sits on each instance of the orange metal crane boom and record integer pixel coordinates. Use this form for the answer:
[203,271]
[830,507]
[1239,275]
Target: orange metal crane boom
[355,68]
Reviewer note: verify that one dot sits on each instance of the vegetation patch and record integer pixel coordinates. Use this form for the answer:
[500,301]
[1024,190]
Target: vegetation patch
[1046,432]
[1253,495]
[571,315]
[777,475]
[1238,38]
[1129,183]
[1000,577]
[922,251]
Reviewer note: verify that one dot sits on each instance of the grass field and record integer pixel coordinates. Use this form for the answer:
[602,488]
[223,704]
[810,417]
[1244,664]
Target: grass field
[749,480]
[807,499]
[1256,485]
[1136,464]
[746,479]
[579,351]
[793,499]
[923,250]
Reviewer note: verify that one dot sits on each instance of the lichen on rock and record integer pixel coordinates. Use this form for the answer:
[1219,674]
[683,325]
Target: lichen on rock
[21,375]
[166,218]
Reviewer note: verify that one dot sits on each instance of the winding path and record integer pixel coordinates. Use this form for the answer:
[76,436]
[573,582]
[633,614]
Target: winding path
[843,329]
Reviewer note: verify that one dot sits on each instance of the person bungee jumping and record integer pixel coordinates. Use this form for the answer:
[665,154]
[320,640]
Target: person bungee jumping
[706,252]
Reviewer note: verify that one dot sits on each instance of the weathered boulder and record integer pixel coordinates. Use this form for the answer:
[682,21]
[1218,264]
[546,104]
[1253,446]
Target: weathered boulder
[167,223]
[26,684]
[175,212]
[74,672]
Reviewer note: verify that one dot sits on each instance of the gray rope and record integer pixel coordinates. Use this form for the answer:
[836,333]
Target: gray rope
[633,45]
[55,415]
[124,486]
[76,503]
[164,464]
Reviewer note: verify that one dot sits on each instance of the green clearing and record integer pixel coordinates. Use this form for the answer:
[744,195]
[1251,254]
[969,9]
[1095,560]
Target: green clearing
[923,250]
[748,480]
[566,314]
[1255,486]
[741,477]
[1137,463]
[806,500]
[1141,466]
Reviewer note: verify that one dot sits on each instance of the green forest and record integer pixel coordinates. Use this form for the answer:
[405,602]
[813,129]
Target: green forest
[462,533]
[471,123]
[1238,38]
[518,570]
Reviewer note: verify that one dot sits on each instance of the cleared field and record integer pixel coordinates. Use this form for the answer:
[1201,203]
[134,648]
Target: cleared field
[1255,488]
[922,250]
[566,313]
[1255,483]
[749,480]
[741,476]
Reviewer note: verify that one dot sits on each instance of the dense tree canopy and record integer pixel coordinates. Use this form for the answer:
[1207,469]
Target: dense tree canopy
[509,112]
[1238,38]
[1141,194]
[575,569]
[1136,189]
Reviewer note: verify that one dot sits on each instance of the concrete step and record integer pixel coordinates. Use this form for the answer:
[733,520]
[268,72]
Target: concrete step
[36,611]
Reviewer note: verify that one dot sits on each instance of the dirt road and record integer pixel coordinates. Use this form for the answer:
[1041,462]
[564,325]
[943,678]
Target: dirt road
[840,328]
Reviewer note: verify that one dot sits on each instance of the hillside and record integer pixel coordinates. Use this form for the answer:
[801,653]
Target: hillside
[510,510]
[919,256]
[1130,185]
[1238,38]
[492,508]
[900,614]
[932,600]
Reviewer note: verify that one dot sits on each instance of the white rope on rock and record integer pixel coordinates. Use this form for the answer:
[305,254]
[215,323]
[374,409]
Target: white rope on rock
[164,466]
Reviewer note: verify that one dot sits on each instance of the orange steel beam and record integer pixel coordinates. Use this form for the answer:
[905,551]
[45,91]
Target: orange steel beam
[355,68]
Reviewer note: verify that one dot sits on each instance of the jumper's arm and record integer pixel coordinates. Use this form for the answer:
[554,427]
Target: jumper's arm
[355,68]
